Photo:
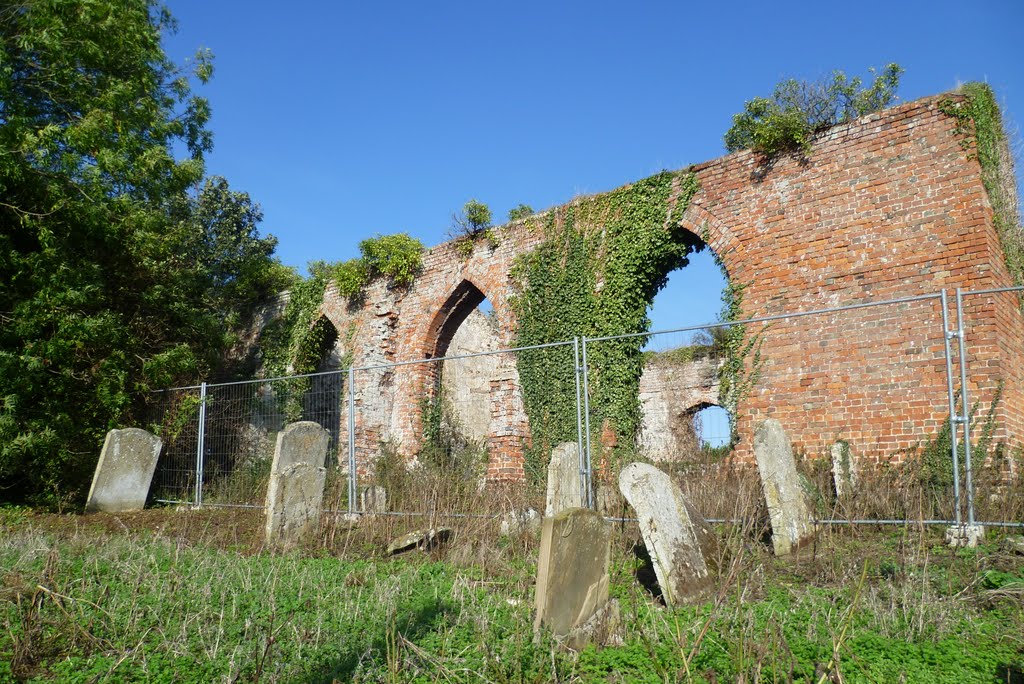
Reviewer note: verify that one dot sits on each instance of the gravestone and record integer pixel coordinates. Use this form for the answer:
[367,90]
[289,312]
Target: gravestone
[124,472]
[844,468]
[572,573]
[790,517]
[296,488]
[373,499]
[564,480]
[677,538]
[518,522]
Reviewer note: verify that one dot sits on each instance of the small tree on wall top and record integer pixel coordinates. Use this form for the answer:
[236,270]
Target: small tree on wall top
[474,218]
[797,110]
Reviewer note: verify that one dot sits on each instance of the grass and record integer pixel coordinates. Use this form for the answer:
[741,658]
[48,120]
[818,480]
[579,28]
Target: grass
[178,595]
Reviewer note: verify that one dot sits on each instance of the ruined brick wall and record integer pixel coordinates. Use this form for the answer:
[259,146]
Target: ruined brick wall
[889,206]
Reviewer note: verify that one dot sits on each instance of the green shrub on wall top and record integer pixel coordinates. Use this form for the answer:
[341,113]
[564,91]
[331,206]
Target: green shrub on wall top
[797,110]
[397,257]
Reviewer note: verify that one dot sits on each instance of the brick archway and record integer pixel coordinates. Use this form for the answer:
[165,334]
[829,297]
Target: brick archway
[889,206]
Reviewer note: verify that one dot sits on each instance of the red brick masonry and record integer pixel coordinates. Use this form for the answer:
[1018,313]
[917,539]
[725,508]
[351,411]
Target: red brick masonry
[889,206]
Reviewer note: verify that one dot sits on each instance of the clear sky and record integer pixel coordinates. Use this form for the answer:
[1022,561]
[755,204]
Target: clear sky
[348,119]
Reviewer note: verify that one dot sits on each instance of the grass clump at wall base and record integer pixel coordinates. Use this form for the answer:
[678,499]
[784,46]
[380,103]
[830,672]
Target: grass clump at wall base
[987,138]
[602,261]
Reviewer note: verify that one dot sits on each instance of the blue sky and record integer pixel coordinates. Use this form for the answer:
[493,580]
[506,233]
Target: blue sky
[344,120]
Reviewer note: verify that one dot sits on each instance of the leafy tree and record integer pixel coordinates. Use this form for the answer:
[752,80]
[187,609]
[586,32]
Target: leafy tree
[797,110]
[116,274]
[474,218]
[520,212]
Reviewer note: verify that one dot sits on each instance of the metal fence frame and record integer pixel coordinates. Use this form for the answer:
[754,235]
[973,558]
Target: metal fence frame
[959,419]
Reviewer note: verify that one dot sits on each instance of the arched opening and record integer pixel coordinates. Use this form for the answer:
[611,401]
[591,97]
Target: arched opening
[463,300]
[457,405]
[324,389]
[680,386]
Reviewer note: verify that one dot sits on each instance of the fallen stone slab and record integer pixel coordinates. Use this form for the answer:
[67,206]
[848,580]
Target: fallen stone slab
[565,482]
[572,573]
[124,472]
[420,539]
[296,488]
[1014,544]
[792,525]
[676,536]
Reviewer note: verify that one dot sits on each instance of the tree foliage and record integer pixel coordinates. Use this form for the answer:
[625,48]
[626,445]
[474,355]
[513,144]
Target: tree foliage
[520,212]
[797,110]
[397,257]
[474,218]
[118,273]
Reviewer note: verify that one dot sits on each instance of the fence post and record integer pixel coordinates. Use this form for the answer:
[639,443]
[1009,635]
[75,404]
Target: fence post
[585,484]
[588,469]
[954,419]
[965,407]
[200,446]
[351,441]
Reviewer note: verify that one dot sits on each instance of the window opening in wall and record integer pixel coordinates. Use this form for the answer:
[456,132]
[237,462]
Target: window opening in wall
[712,427]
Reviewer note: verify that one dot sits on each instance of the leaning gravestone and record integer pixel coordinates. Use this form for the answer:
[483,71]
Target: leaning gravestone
[572,573]
[124,472]
[297,477]
[565,482]
[844,468]
[790,517]
[675,534]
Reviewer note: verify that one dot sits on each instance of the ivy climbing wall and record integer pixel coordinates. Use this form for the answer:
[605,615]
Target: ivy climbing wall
[890,206]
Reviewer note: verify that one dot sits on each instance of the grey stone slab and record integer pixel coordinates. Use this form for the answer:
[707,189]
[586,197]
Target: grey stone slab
[844,468]
[790,516]
[373,499]
[518,522]
[677,537]
[572,571]
[564,480]
[420,539]
[964,536]
[124,472]
[301,442]
[296,489]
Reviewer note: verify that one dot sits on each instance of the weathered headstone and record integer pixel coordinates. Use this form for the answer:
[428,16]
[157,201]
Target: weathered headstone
[517,522]
[787,508]
[677,538]
[964,536]
[844,468]
[297,478]
[373,499]
[572,573]
[608,500]
[564,480]
[124,472]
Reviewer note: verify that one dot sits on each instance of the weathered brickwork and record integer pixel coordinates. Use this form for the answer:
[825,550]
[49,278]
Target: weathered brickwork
[889,206]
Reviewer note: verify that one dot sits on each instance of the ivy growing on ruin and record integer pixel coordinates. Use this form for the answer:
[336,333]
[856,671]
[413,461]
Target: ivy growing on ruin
[987,140]
[602,261]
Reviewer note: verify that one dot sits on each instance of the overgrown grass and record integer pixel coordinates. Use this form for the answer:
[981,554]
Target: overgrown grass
[182,596]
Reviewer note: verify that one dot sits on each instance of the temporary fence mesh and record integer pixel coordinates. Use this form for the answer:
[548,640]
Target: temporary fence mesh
[866,386]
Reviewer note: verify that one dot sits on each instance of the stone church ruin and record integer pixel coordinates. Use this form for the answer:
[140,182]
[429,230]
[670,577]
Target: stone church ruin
[890,206]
